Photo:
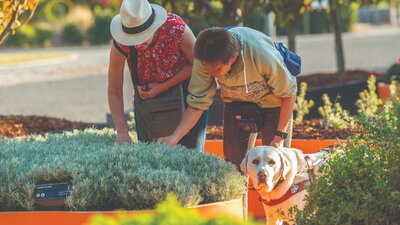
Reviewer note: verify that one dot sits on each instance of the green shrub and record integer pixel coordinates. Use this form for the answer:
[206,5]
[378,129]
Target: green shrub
[24,36]
[302,106]
[361,184]
[393,73]
[45,34]
[71,34]
[169,212]
[100,31]
[368,103]
[106,176]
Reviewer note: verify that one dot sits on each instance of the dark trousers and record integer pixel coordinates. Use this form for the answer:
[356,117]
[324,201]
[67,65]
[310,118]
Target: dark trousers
[236,139]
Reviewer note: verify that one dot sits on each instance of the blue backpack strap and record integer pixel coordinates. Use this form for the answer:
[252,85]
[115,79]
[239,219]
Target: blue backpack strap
[291,59]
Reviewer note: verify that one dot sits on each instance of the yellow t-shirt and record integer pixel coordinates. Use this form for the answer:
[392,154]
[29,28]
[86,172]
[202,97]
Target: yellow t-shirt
[267,78]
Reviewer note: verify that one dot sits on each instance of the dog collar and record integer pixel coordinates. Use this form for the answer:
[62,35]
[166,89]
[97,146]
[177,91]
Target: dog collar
[294,189]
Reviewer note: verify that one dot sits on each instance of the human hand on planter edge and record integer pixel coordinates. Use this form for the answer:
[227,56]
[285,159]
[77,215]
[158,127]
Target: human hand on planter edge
[168,140]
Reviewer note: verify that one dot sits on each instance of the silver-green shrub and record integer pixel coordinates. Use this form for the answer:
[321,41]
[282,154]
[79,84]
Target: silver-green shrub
[106,176]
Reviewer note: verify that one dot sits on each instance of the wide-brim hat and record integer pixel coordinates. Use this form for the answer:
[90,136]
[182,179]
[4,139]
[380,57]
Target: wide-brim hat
[137,22]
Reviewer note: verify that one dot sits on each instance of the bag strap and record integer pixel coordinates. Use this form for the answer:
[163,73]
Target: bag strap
[133,60]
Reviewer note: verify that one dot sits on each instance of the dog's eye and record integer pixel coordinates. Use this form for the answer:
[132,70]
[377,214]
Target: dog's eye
[256,161]
[272,162]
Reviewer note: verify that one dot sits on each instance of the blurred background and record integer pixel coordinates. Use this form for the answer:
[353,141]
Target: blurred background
[54,53]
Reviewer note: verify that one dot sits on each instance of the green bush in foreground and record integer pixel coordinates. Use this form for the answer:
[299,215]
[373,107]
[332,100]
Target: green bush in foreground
[361,184]
[106,176]
[169,212]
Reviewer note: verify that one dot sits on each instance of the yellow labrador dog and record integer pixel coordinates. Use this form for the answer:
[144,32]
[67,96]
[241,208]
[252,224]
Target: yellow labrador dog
[281,176]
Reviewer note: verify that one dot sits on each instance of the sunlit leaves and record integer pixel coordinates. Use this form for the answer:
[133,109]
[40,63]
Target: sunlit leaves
[10,12]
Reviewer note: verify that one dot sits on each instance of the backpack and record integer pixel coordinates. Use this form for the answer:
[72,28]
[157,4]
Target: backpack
[291,59]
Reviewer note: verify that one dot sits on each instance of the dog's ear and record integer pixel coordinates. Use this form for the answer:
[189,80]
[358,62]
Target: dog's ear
[243,164]
[285,165]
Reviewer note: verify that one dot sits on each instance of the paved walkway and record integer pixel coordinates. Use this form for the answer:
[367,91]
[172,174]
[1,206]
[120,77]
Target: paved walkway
[75,87]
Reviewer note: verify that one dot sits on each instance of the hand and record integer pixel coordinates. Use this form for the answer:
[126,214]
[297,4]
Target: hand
[169,140]
[277,142]
[123,138]
[151,90]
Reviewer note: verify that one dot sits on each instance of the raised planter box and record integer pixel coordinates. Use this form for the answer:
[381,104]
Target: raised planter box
[255,207]
[232,208]
[348,93]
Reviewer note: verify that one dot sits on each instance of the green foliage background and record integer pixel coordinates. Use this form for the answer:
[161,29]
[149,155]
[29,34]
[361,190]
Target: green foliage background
[106,176]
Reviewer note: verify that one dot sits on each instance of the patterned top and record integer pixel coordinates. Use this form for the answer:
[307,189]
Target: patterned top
[162,60]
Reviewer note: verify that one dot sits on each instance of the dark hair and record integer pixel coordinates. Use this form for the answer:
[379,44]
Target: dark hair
[216,45]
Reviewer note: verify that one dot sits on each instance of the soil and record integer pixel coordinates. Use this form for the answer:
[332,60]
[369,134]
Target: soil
[18,126]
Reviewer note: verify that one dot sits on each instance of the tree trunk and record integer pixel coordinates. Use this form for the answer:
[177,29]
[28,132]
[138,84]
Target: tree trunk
[229,16]
[338,40]
[291,35]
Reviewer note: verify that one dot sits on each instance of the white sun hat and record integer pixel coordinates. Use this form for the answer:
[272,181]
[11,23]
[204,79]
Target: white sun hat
[137,22]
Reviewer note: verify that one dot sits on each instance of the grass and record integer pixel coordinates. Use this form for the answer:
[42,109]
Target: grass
[29,57]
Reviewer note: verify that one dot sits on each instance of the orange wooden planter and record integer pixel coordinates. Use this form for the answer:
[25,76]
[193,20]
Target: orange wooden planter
[384,91]
[307,146]
[233,208]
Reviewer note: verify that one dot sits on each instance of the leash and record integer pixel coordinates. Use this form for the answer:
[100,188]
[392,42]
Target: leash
[294,189]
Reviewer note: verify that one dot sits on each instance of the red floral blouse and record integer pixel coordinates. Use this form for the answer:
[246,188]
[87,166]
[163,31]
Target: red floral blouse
[164,59]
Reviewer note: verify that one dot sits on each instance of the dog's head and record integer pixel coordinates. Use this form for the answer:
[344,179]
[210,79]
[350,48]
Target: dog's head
[265,165]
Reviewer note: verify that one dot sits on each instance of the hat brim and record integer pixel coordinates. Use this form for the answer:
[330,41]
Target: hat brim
[136,39]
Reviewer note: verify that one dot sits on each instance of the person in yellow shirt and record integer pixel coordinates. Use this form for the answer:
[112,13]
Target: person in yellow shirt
[258,90]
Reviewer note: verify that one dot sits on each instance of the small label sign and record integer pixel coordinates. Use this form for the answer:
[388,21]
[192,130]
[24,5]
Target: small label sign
[52,194]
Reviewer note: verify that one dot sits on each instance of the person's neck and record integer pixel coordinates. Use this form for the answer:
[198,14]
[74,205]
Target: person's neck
[155,39]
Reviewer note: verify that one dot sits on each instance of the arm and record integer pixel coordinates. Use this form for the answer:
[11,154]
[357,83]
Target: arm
[187,46]
[188,120]
[115,95]
[284,117]
[283,84]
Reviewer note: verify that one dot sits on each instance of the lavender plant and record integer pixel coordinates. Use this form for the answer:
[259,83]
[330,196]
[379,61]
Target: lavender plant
[106,176]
